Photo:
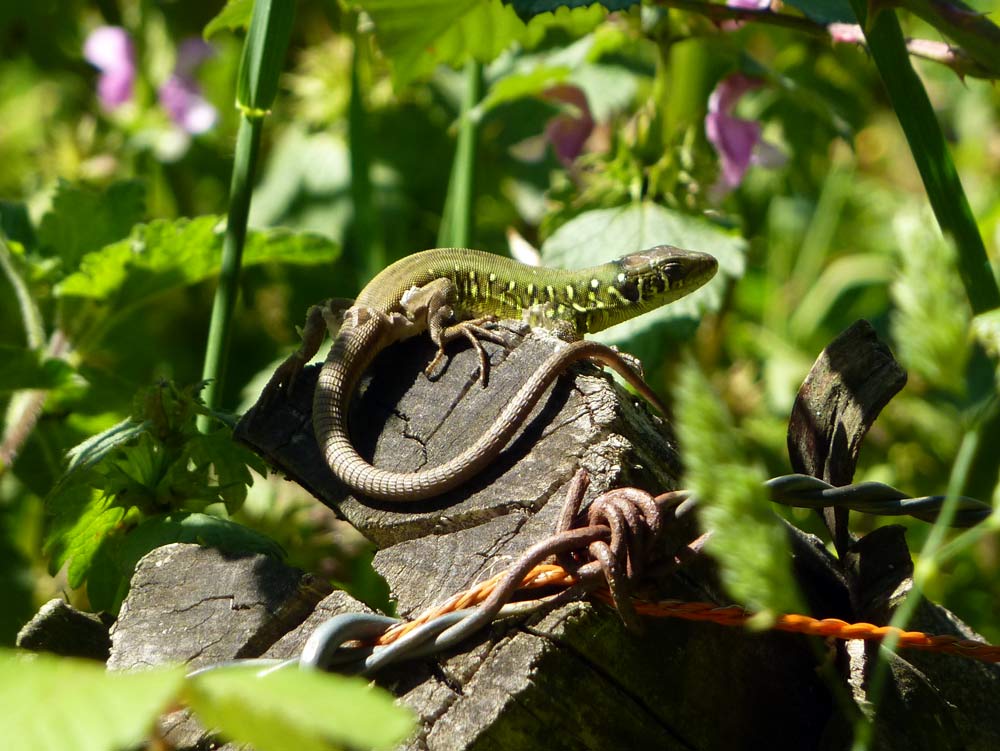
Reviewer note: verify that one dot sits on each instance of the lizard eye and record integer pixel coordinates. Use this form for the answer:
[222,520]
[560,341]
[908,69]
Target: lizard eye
[629,290]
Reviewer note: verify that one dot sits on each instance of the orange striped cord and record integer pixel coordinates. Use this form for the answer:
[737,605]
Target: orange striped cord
[545,575]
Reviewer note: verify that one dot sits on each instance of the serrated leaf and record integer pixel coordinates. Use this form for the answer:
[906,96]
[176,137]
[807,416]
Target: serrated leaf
[54,703]
[297,709]
[82,220]
[83,519]
[22,368]
[235,15]
[163,255]
[527,9]
[418,36]
[748,540]
[601,235]
[213,468]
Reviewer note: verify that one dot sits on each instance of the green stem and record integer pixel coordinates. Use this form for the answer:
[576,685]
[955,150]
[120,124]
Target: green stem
[241,189]
[927,144]
[456,224]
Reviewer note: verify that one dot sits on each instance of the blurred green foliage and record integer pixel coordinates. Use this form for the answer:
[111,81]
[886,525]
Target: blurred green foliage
[110,228]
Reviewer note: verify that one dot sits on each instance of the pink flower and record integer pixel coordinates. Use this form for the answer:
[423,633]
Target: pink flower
[110,50]
[181,96]
[568,132]
[738,142]
[745,5]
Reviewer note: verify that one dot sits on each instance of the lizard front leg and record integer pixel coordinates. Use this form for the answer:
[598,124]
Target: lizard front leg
[433,301]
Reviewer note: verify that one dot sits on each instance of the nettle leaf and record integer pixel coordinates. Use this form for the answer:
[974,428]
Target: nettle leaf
[297,709]
[67,703]
[83,519]
[601,235]
[155,462]
[213,468]
[418,36]
[115,564]
[162,255]
[22,368]
[82,220]
[235,15]
[527,9]
[748,540]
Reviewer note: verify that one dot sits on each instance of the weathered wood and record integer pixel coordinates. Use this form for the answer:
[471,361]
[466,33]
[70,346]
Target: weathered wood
[61,629]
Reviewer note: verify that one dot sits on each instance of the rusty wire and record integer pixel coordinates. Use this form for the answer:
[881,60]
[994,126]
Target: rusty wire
[603,552]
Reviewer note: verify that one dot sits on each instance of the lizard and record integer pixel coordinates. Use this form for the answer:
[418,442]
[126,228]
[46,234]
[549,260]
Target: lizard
[460,292]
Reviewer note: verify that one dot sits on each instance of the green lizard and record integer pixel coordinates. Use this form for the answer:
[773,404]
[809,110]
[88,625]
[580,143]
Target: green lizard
[452,292]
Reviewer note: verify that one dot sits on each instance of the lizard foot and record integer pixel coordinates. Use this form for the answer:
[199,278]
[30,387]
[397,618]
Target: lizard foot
[474,331]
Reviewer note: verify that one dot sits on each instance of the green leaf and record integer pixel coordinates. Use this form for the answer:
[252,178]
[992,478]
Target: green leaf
[235,15]
[522,84]
[163,255]
[528,9]
[114,564]
[826,11]
[418,36]
[155,462]
[15,223]
[214,468]
[82,220]
[65,703]
[83,520]
[296,709]
[22,368]
[600,235]
[748,540]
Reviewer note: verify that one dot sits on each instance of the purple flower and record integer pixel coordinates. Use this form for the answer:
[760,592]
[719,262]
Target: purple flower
[568,131]
[110,50]
[181,96]
[737,141]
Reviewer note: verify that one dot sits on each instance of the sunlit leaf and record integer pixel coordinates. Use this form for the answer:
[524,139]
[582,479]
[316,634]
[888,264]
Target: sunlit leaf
[235,15]
[295,709]
[418,36]
[163,255]
[59,703]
